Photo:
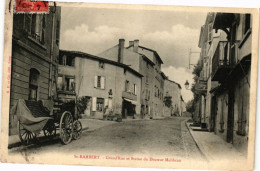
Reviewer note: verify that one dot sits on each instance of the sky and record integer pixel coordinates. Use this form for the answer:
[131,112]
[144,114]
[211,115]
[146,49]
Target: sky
[171,33]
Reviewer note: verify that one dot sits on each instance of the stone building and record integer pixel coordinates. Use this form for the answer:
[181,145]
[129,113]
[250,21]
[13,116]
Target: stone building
[156,84]
[109,85]
[148,63]
[172,94]
[225,104]
[231,67]
[35,50]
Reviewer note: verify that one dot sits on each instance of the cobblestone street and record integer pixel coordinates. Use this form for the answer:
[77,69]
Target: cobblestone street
[167,137]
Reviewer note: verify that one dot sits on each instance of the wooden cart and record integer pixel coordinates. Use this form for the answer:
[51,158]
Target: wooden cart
[35,117]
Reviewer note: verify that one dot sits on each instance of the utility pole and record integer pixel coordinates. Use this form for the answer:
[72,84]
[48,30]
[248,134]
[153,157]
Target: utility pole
[190,57]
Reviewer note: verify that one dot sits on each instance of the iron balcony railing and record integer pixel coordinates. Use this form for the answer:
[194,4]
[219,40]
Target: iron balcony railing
[226,56]
[221,56]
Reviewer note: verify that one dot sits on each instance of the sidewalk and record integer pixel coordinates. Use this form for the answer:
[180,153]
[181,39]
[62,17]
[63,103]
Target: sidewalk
[87,125]
[214,147]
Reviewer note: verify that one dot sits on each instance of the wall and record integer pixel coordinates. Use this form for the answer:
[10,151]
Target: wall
[27,53]
[222,114]
[175,92]
[115,78]
[129,57]
[241,113]
[146,69]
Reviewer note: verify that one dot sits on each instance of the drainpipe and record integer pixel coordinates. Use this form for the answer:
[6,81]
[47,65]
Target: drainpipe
[51,53]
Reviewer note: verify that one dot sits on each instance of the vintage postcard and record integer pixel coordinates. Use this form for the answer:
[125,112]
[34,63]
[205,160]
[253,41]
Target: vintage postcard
[129,85]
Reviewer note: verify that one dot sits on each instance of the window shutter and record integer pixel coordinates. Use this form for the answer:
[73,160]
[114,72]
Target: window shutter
[95,82]
[102,82]
[106,102]
[38,27]
[110,103]
[27,22]
[210,32]
[94,104]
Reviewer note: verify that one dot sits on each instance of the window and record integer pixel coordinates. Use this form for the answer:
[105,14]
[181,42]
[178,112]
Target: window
[147,78]
[126,85]
[146,94]
[247,22]
[60,85]
[100,105]
[101,65]
[35,25]
[70,61]
[33,84]
[135,91]
[67,60]
[99,82]
[69,83]
[58,32]
[147,65]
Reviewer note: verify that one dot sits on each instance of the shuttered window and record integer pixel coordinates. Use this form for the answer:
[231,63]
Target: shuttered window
[99,82]
[35,25]
[58,32]
[135,89]
[33,84]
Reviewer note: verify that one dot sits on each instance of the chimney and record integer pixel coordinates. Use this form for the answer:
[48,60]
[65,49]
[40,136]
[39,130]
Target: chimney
[121,47]
[136,44]
[131,43]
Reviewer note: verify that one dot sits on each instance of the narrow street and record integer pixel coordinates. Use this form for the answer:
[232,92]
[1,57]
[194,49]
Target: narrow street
[168,137]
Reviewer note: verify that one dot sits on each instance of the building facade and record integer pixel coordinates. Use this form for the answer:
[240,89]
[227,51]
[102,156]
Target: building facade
[226,100]
[148,63]
[172,99]
[35,51]
[108,85]
[155,84]
[231,67]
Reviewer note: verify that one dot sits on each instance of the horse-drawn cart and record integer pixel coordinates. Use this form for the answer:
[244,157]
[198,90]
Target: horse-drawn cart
[49,117]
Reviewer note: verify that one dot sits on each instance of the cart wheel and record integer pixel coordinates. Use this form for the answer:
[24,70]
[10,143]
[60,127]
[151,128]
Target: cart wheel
[25,136]
[50,130]
[66,127]
[77,129]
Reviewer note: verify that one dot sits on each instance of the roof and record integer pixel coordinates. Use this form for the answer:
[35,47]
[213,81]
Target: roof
[156,54]
[89,56]
[163,75]
[174,83]
[147,59]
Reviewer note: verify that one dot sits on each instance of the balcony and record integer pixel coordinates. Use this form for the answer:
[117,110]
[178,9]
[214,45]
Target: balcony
[129,95]
[201,87]
[223,60]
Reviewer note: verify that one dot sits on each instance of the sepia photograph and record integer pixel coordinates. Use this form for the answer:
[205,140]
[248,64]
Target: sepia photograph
[129,85]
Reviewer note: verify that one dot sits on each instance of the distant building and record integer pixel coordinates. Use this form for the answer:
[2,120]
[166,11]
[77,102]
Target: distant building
[35,50]
[172,94]
[109,85]
[148,63]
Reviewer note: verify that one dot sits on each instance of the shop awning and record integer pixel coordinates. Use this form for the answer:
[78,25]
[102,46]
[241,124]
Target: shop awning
[131,101]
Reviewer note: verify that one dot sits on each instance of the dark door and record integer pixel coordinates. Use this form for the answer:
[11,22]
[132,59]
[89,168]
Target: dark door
[230,124]
[213,114]
[124,110]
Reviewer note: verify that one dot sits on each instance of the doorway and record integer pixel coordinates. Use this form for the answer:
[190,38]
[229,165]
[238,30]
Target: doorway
[213,114]
[128,109]
[230,124]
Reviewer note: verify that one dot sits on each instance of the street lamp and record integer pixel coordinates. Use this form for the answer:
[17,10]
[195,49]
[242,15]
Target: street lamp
[187,84]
